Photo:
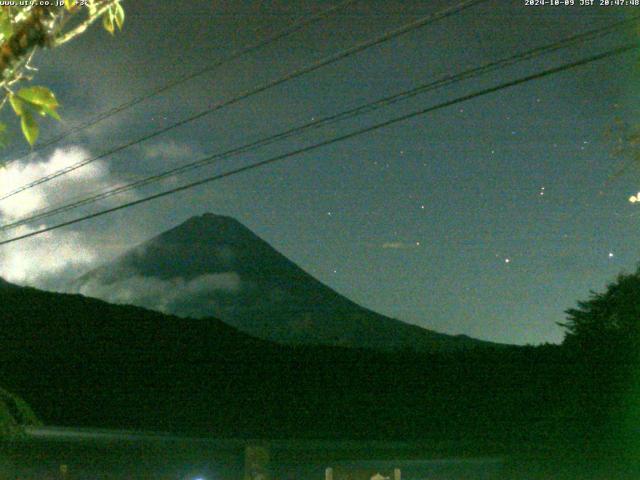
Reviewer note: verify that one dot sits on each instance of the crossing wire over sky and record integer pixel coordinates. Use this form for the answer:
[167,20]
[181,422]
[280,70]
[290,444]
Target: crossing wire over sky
[365,108]
[295,27]
[567,66]
[422,22]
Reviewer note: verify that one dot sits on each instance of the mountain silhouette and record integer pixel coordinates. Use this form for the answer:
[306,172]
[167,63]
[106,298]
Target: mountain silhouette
[212,265]
[82,362]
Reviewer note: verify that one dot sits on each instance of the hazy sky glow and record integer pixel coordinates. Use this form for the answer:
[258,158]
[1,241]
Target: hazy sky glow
[488,218]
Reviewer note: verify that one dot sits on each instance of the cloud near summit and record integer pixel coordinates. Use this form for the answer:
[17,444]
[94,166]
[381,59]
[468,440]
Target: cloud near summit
[161,295]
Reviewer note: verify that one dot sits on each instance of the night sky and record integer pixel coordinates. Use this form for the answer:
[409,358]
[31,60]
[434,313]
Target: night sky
[487,218]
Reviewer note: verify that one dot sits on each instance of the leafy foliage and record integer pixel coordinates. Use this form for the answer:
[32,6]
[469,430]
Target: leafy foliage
[605,333]
[609,320]
[25,28]
[113,18]
[30,101]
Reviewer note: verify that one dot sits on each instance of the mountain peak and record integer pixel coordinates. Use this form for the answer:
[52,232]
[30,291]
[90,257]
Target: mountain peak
[208,228]
[209,219]
[213,266]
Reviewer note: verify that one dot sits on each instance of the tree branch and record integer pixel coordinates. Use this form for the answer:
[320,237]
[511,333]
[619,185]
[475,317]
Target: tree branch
[31,33]
[79,29]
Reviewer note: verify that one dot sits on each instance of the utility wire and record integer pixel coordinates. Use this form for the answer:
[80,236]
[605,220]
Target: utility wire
[447,12]
[401,118]
[234,55]
[365,108]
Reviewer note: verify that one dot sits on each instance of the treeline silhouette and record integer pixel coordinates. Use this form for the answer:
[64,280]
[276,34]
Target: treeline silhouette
[86,363]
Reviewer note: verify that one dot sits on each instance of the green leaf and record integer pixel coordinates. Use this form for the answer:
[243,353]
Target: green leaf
[119,15]
[38,96]
[44,110]
[18,105]
[107,22]
[30,127]
[70,4]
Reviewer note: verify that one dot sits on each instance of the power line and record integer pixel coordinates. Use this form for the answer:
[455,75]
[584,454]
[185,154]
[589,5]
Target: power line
[447,12]
[414,114]
[294,28]
[365,108]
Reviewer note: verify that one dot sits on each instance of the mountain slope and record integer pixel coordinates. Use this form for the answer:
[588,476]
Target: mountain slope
[214,266]
[83,362]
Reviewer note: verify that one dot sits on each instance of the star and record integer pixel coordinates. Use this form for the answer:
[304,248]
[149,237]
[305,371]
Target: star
[422,207]
[610,254]
[507,260]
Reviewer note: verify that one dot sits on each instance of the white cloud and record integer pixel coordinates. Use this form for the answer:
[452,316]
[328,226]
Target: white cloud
[158,294]
[65,252]
[36,261]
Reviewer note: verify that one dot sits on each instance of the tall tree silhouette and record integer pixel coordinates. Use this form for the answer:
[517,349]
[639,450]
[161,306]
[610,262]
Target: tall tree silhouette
[608,322]
[604,332]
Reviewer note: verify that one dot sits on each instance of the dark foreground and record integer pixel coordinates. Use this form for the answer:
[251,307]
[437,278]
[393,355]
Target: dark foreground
[84,363]
[84,454]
